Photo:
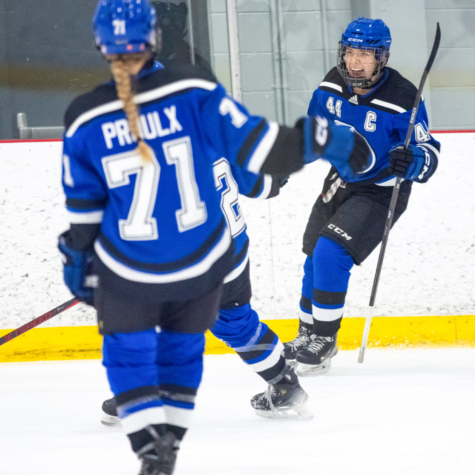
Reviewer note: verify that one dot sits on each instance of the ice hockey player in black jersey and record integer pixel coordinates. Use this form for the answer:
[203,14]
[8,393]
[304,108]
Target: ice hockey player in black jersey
[347,221]
[148,243]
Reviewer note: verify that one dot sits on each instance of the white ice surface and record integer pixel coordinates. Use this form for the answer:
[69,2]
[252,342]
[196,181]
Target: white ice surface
[429,266]
[401,412]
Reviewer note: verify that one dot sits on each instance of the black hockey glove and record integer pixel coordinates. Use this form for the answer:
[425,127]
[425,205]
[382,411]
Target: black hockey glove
[77,267]
[407,164]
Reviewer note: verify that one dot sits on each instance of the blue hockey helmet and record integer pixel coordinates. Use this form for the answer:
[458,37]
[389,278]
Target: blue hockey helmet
[367,34]
[124,26]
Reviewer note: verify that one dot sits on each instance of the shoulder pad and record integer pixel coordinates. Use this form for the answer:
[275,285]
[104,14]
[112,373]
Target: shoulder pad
[107,93]
[333,82]
[101,95]
[397,90]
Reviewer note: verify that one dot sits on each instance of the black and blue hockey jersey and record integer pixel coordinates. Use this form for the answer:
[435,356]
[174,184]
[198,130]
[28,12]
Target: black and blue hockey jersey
[157,228]
[381,117]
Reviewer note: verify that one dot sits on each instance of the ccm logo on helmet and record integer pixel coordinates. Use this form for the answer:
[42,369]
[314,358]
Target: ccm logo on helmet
[340,232]
[355,39]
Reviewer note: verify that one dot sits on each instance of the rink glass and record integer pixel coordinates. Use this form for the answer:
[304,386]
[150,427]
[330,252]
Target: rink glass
[286,47]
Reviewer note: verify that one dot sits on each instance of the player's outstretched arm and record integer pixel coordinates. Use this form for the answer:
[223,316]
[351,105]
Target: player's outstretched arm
[265,147]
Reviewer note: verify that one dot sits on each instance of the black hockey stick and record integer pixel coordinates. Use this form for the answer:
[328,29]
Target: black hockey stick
[38,321]
[394,197]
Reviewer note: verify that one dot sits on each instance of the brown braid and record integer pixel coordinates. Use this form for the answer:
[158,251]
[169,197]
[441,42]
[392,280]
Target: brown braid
[120,71]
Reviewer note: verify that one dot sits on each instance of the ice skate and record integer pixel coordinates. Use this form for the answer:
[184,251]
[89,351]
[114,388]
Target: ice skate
[315,359]
[159,457]
[283,400]
[300,342]
[109,413]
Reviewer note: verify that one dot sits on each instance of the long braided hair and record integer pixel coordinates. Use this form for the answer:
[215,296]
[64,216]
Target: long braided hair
[121,72]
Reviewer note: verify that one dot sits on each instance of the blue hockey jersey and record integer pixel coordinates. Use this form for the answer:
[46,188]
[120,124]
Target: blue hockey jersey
[157,228]
[381,117]
[232,181]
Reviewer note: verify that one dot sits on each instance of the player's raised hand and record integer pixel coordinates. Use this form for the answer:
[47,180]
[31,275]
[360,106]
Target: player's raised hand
[345,149]
[348,151]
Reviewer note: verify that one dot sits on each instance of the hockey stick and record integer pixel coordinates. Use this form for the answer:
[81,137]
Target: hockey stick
[394,197]
[38,321]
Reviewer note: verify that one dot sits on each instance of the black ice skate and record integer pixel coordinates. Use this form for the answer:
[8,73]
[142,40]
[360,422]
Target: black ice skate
[109,413]
[159,456]
[315,359]
[285,399]
[298,343]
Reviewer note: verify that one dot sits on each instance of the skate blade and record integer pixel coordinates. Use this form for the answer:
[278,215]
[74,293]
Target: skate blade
[314,370]
[109,420]
[301,412]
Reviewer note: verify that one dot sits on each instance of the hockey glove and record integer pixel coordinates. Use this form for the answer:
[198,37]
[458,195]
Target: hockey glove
[408,163]
[346,150]
[77,266]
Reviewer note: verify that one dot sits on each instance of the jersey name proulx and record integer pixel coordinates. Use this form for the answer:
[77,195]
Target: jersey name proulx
[152,125]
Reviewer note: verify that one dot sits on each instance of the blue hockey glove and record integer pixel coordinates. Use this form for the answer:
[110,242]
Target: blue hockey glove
[346,150]
[76,268]
[408,163]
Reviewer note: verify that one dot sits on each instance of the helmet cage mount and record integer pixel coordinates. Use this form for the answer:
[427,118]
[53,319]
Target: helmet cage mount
[381,54]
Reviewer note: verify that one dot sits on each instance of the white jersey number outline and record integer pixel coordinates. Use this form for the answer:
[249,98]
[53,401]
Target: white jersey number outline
[193,211]
[334,109]
[140,225]
[229,196]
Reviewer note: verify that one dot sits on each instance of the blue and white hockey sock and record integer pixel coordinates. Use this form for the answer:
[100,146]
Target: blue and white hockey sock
[130,360]
[180,369]
[331,273]
[306,317]
[256,344]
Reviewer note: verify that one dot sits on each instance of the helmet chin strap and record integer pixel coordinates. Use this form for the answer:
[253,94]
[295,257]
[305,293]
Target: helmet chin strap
[378,72]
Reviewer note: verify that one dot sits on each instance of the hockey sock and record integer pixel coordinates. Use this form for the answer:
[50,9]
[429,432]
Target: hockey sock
[306,318]
[130,360]
[256,344]
[180,369]
[331,273]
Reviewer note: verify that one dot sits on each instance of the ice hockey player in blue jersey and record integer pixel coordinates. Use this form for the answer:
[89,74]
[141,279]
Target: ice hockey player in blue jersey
[347,221]
[238,323]
[148,243]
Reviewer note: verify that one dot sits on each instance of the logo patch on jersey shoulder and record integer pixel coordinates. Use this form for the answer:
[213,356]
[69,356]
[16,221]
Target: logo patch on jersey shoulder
[354,99]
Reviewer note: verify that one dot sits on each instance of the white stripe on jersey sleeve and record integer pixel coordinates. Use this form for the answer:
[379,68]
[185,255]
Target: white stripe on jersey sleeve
[195,270]
[148,96]
[266,188]
[265,146]
[388,105]
[88,217]
[331,85]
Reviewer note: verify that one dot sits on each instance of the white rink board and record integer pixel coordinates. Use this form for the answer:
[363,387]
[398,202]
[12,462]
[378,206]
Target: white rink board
[429,266]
